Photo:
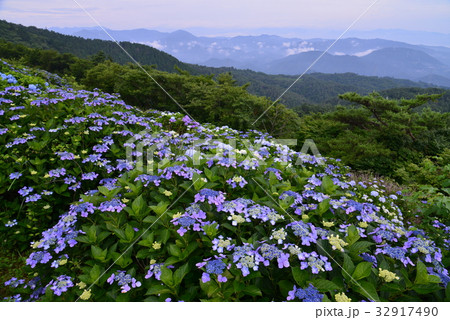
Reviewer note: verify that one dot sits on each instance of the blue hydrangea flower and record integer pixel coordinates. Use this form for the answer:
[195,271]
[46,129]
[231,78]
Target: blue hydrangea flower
[213,267]
[15,175]
[10,224]
[115,205]
[309,294]
[123,280]
[61,284]
[315,261]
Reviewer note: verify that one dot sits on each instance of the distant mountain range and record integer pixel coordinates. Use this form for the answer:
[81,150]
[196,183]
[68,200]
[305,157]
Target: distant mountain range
[292,56]
[314,92]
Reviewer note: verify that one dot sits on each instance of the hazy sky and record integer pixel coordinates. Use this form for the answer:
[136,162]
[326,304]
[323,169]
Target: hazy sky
[425,15]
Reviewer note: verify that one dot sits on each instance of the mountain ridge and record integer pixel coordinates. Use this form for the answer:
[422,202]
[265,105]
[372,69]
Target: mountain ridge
[266,52]
[312,89]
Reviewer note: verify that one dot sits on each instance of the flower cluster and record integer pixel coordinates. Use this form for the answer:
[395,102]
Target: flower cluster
[124,280]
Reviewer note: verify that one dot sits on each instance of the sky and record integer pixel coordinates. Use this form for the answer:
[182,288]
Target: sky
[237,16]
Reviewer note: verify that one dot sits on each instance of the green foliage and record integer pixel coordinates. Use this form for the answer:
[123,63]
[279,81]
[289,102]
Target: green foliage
[382,136]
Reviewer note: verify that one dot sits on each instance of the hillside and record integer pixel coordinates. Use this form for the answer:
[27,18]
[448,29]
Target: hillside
[313,89]
[84,48]
[215,214]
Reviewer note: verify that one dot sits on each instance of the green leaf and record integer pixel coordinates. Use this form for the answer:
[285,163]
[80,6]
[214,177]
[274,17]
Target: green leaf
[198,182]
[367,289]
[165,235]
[426,288]
[348,267]
[189,249]
[353,235]
[323,207]
[210,230]
[300,276]
[325,285]
[253,291]
[157,290]
[285,287]
[148,241]
[421,274]
[363,270]
[160,208]
[174,250]
[210,287]
[360,246]
[95,273]
[139,207]
[91,233]
[180,273]
[167,276]
[129,233]
[122,260]
[98,253]
[328,185]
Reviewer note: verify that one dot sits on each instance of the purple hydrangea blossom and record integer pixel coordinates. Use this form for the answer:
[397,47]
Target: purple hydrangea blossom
[212,196]
[309,294]
[38,257]
[124,280]
[15,175]
[61,284]
[215,266]
[315,261]
[25,191]
[115,205]
[57,173]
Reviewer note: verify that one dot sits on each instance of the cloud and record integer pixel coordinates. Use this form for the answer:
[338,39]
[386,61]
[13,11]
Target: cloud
[298,50]
[155,44]
[363,53]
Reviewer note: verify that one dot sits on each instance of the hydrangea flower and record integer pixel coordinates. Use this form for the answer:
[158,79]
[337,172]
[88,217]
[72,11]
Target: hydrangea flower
[246,258]
[398,253]
[212,196]
[337,243]
[219,244]
[14,282]
[10,224]
[38,257]
[146,179]
[61,284]
[89,176]
[33,198]
[215,266]
[57,173]
[123,280]
[309,294]
[115,205]
[315,261]
[269,252]
[65,155]
[424,246]
[15,175]
[237,180]
[25,191]
[306,231]
[279,235]
[275,171]
[387,276]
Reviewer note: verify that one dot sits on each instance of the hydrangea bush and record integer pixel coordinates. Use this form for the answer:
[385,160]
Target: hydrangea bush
[114,204]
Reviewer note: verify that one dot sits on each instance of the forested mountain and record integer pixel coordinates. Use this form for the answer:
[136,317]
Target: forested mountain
[292,55]
[313,89]
[83,48]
